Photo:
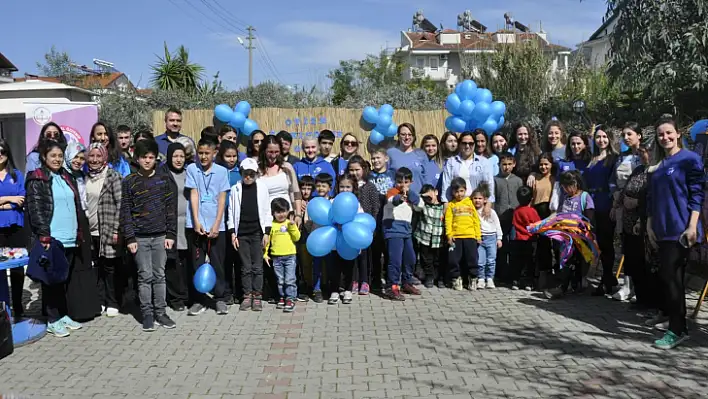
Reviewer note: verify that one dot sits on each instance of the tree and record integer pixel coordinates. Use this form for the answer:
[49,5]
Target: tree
[176,72]
[57,64]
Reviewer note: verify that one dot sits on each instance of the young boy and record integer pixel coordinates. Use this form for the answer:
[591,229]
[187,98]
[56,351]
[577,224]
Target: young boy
[304,270]
[326,142]
[124,137]
[398,233]
[149,219]
[464,231]
[323,186]
[523,259]
[383,179]
[429,234]
[286,141]
[283,237]
[208,184]
[506,186]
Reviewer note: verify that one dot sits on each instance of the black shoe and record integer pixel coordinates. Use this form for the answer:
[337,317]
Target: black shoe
[429,283]
[148,323]
[317,297]
[599,291]
[178,307]
[229,300]
[441,283]
[165,321]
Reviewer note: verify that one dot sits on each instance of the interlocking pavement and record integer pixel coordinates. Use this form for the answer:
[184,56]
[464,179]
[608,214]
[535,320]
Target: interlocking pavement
[444,344]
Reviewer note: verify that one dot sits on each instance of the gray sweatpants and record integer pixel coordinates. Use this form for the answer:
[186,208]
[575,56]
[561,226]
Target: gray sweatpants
[151,258]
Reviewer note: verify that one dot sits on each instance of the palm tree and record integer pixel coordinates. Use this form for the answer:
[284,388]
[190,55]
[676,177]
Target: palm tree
[176,72]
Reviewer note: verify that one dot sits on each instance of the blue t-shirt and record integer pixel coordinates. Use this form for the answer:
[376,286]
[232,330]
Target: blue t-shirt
[64,224]
[383,181]
[33,162]
[415,160]
[209,186]
[434,173]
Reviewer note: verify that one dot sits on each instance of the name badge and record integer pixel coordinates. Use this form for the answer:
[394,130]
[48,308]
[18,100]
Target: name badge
[206,197]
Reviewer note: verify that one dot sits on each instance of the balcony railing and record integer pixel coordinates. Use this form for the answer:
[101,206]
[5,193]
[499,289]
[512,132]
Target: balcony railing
[431,73]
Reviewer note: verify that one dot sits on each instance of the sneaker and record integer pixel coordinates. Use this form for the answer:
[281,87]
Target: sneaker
[429,283]
[355,288]
[103,309]
[528,288]
[196,309]
[410,289]
[481,283]
[165,321]
[441,284]
[178,308]
[660,318]
[624,294]
[246,303]
[333,298]
[394,294]
[663,326]
[112,312]
[302,298]
[221,308]
[553,293]
[490,284]
[57,329]
[347,297]
[415,281]
[70,324]
[289,306]
[281,303]
[515,285]
[317,297]
[670,340]
[473,285]
[148,323]
[257,303]
[364,289]
[457,284]
[229,300]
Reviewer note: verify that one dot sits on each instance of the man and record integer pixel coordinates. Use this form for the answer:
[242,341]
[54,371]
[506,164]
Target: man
[124,136]
[286,141]
[173,125]
[326,142]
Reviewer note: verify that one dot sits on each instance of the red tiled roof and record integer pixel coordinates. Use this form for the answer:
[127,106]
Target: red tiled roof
[473,41]
[86,82]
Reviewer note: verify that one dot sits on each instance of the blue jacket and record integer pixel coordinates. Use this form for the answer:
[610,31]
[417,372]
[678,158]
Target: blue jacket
[313,168]
[48,266]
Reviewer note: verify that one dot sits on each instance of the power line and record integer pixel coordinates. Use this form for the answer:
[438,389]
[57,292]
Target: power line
[174,3]
[267,56]
[229,14]
[221,17]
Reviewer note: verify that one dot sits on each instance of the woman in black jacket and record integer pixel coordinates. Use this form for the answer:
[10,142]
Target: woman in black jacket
[50,188]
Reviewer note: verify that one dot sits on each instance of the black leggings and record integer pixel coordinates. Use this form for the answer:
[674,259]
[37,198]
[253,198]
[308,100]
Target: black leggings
[605,233]
[672,260]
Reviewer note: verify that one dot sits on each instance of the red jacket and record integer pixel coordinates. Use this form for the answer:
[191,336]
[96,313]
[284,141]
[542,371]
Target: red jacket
[524,216]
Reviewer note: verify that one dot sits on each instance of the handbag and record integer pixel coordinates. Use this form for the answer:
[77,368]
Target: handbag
[6,344]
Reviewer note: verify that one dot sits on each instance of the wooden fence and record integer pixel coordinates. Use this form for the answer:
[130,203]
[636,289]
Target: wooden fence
[306,122]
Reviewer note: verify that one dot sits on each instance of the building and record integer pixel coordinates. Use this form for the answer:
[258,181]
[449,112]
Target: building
[6,69]
[440,56]
[596,49]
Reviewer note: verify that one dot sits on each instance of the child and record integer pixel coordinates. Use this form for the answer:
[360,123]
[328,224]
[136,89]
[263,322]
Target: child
[506,186]
[463,229]
[283,236]
[429,232]
[358,169]
[397,229]
[326,141]
[304,260]
[323,186]
[208,184]
[228,158]
[149,220]
[523,261]
[542,193]
[250,221]
[491,239]
[383,179]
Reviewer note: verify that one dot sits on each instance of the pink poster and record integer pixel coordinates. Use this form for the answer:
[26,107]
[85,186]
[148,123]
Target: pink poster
[74,118]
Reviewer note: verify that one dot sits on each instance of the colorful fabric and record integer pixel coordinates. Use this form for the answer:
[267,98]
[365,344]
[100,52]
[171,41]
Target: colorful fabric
[573,231]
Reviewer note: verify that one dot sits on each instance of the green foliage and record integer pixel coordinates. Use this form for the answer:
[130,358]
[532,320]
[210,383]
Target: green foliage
[57,64]
[176,71]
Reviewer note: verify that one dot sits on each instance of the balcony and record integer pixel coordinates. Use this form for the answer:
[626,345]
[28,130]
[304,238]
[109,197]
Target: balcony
[435,74]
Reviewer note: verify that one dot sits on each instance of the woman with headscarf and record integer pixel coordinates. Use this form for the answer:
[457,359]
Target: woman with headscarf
[74,161]
[103,195]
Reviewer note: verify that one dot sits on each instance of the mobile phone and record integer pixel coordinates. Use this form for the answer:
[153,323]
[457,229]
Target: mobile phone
[683,240]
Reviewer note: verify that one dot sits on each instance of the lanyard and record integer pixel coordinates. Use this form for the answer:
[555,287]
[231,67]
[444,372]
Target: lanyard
[204,180]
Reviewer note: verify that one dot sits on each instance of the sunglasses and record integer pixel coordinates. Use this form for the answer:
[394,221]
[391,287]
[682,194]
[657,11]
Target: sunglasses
[2,151]
[249,173]
[352,143]
[257,141]
[467,143]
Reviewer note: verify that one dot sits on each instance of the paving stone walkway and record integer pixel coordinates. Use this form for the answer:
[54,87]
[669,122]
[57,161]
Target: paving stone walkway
[444,344]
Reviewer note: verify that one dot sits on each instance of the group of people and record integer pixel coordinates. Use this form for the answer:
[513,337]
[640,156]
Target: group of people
[153,209]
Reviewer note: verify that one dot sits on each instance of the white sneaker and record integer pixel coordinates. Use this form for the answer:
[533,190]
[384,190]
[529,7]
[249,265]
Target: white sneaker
[347,297]
[481,283]
[333,299]
[112,312]
[103,309]
[624,294]
[473,284]
[457,284]
[490,284]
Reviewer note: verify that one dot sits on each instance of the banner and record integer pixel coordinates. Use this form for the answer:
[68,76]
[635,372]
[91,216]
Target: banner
[74,118]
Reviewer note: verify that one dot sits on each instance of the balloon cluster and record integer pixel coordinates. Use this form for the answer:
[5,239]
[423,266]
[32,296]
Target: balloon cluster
[237,117]
[343,228]
[382,119]
[472,108]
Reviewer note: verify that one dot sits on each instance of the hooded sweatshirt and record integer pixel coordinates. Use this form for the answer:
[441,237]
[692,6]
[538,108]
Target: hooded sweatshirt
[313,168]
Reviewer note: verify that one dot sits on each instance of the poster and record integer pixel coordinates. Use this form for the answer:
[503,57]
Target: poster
[74,118]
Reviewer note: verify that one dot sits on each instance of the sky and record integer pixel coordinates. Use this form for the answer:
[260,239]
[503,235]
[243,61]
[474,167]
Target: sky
[297,42]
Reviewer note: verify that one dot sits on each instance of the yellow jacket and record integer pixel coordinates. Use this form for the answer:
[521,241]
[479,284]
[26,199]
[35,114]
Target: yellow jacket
[462,220]
[283,237]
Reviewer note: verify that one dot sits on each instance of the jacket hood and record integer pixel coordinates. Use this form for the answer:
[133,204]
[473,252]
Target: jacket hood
[315,161]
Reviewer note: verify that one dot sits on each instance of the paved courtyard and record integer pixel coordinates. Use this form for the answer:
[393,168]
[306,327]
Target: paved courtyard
[444,344]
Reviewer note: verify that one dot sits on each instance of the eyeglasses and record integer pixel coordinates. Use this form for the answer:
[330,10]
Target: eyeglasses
[467,143]
[405,135]
[352,143]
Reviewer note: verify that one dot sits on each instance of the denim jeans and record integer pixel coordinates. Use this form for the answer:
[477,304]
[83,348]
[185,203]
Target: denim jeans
[487,256]
[401,260]
[317,270]
[284,267]
[151,258]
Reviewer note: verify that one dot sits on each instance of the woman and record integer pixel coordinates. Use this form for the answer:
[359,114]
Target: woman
[498,143]
[103,196]
[349,146]
[405,155]
[448,144]
[524,145]
[55,218]
[255,143]
[50,131]
[74,161]
[481,148]
[597,180]
[12,198]
[577,154]
[626,163]
[554,140]
[101,133]
[674,204]
[471,167]
[430,145]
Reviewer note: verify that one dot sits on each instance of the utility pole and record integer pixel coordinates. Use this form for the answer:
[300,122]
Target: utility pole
[250,48]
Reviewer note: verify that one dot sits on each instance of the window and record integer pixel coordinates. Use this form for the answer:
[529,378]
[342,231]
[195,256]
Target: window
[434,63]
[420,62]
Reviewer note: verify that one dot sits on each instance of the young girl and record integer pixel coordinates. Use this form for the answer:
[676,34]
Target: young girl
[358,169]
[281,247]
[430,145]
[228,158]
[491,239]
[462,225]
[542,193]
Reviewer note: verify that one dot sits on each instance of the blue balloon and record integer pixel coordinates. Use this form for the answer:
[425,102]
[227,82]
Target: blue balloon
[371,115]
[455,124]
[490,126]
[483,96]
[204,278]
[249,125]
[357,235]
[243,107]
[498,109]
[321,241]
[623,146]
[237,120]
[386,109]
[470,126]
[700,127]
[365,219]
[481,112]
[468,90]
[466,109]
[223,113]
[345,250]
[452,104]
[383,123]
[500,122]
[392,130]
[376,137]
[318,210]
[344,207]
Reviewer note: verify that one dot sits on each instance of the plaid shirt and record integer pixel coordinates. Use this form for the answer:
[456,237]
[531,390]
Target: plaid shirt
[430,228]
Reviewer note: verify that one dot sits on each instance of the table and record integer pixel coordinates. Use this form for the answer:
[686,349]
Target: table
[25,331]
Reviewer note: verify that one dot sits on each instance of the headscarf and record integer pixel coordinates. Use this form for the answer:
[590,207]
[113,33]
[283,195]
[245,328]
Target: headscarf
[72,150]
[171,151]
[104,158]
